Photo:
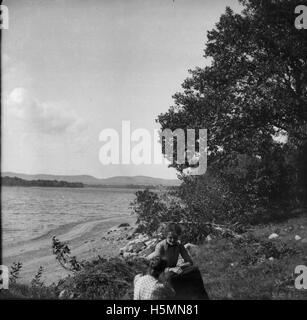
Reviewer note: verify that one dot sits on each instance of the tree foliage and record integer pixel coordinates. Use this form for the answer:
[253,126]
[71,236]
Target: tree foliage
[154,208]
[252,94]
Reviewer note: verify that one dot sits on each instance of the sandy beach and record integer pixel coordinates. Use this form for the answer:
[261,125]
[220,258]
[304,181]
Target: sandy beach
[86,240]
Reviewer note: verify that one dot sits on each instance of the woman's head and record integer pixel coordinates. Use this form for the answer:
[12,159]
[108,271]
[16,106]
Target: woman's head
[156,267]
[172,233]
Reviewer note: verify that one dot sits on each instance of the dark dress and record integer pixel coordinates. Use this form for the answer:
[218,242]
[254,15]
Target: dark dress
[189,283]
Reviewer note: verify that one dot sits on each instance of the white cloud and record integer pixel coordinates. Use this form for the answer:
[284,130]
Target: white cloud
[41,117]
[41,136]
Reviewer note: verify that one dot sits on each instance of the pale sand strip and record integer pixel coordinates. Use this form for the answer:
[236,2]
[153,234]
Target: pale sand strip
[84,239]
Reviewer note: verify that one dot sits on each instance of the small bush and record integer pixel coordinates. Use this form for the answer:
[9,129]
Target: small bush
[62,254]
[36,281]
[14,272]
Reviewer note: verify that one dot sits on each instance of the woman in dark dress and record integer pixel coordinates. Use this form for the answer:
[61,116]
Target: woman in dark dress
[185,278]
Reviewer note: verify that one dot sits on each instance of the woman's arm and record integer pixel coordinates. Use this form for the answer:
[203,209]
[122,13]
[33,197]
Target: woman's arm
[186,257]
[158,251]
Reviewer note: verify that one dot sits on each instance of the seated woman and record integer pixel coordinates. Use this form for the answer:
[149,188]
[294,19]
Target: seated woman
[148,287]
[185,278]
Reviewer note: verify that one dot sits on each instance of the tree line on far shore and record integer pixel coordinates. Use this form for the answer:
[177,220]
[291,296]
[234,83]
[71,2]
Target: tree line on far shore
[14,181]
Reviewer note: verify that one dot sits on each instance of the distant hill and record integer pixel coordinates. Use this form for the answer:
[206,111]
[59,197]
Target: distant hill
[90,180]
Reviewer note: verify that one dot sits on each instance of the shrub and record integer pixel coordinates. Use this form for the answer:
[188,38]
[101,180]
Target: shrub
[153,209]
[36,281]
[14,272]
[62,253]
[195,204]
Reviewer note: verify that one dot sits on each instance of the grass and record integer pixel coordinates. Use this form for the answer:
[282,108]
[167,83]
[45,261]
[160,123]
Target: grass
[242,269]
[24,291]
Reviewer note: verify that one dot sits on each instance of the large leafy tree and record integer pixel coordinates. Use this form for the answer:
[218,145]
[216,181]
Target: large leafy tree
[253,93]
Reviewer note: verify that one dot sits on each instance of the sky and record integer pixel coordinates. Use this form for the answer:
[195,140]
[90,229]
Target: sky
[71,69]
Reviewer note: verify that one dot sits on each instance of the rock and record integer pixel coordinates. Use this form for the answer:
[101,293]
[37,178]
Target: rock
[147,251]
[122,249]
[234,264]
[140,240]
[271,258]
[134,246]
[273,236]
[62,294]
[129,254]
[208,238]
[125,224]
[143,237]
[138,247]
[297,238]
[151,242]
[189,246]
[193,249]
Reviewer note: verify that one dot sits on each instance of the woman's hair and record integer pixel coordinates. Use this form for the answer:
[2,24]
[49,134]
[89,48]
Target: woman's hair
[157,266]
[173,227]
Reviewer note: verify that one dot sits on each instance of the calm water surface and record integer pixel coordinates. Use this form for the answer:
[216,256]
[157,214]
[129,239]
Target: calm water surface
[30,212]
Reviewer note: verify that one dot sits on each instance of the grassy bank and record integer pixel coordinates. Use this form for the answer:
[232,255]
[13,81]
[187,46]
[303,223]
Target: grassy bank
[256,267]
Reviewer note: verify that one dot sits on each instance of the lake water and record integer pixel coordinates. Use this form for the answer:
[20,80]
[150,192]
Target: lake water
[31,212]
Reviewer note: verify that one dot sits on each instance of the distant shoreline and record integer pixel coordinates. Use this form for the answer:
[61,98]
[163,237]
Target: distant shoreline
[18,182]
[130,186]
[88,180]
